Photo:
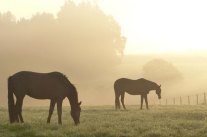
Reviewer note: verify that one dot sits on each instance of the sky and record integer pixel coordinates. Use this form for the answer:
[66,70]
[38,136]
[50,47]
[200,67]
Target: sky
[151,26]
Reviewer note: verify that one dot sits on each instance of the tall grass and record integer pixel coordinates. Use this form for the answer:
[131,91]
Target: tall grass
[104,121]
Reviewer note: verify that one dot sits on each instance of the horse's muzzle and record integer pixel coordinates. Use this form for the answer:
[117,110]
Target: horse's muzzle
[77,123]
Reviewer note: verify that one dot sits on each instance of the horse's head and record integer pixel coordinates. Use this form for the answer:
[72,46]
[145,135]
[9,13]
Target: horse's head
[158,91]
[75,113]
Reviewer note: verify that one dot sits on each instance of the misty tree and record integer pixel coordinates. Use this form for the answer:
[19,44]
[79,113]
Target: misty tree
[7,17]
[90,34]
[161,71]
[81,36]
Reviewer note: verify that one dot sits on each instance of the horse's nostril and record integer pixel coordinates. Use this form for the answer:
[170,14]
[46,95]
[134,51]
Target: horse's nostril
[77,123]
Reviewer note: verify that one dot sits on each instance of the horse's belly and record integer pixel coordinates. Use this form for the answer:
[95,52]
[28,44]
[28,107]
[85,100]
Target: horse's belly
[134,92]
[39,97]
[41,90]
[39,94]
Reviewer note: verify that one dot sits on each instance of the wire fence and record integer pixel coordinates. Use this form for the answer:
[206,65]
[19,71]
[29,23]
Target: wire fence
[197,99]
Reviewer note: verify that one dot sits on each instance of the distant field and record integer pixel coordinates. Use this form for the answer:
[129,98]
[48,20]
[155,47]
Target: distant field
[104,121]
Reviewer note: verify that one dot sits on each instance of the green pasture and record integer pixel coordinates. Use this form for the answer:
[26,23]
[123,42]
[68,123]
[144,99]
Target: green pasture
[104,121]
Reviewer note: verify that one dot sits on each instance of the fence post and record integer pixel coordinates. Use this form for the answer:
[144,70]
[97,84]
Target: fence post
[204,98]
[188,100]
[197,99]
[174,101]
[180,100]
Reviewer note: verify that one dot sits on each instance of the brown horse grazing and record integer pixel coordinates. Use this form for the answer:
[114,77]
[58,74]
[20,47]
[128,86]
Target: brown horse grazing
[54,86]
[134,87]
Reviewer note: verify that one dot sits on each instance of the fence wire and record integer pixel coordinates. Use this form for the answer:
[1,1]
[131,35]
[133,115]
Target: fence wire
[197,99]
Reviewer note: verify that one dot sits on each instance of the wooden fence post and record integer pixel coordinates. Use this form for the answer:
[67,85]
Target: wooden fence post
[197,99]
[188,100]
[180,100]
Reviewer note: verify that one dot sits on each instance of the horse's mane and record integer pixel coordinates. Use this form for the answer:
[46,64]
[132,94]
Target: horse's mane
[68,82]
[64,78]
[70,85]
[153,83]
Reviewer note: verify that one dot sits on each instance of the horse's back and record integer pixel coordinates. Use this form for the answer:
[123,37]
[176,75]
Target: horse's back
[132,86]
[30,73]
[38,85]
[123,81]
[28,77]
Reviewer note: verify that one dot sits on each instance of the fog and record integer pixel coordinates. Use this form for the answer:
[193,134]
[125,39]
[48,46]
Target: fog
[87,46]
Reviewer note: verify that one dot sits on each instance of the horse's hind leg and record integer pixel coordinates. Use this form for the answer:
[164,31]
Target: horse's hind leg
[16,113]
[117,103]
[52,105]
[19,103]
[141,101]
[117,95]
[122,100]
[146,101]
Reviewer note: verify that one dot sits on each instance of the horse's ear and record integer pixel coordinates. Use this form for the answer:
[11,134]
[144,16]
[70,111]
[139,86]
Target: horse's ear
[79,103]
[160,85]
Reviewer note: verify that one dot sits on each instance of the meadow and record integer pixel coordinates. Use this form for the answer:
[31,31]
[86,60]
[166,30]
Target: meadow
[104,121]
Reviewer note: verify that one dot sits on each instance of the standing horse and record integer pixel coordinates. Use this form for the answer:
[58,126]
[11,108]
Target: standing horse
[134,87]
[54,86]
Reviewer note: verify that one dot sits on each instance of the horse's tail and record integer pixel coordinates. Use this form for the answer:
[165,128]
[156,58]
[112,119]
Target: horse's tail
[116,91]
[116,88]
[11,106]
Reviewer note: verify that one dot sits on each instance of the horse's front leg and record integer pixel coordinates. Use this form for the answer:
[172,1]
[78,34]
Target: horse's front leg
[141,101]
[59,111]
[146,101]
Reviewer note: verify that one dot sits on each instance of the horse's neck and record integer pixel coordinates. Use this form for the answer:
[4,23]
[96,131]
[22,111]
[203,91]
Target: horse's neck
[73,100]
[153,86]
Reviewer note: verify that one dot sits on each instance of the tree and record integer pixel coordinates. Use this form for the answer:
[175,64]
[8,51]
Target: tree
[91,34]
[161,70]
[81,39]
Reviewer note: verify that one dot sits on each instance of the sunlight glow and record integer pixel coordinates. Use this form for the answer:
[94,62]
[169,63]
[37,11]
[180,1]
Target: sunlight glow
[150,26]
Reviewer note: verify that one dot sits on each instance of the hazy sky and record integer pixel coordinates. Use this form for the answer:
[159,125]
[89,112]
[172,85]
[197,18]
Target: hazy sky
[151,26]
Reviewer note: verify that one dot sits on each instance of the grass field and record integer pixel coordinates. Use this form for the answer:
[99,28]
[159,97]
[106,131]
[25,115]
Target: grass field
[104,121]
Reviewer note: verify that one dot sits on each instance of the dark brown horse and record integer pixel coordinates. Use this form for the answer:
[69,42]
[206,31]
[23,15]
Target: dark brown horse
[134,87]
[54,86]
